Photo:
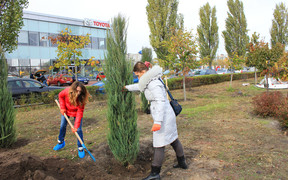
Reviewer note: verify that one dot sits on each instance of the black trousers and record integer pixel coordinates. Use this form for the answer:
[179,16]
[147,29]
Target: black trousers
[159,152]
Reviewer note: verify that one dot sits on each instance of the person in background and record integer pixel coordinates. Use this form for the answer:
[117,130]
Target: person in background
[164,128]
[32,76]
[42,79]
[72,102]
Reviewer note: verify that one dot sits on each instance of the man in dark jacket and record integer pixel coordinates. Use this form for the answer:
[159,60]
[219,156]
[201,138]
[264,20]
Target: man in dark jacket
[42,79]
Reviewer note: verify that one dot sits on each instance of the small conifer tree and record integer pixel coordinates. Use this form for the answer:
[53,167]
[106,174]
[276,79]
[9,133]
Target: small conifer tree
[7,115]
[146,56]
[123,136]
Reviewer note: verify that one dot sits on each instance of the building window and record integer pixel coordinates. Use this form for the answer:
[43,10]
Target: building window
[102,43]
[94,41]
[35,62]
[12,62]
[24,62]
[53,42]
[88,46]
[45,62]
[33,38]
[44,39]
[23,38]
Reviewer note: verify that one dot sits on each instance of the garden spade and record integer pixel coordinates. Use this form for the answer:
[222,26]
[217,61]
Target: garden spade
[77,135]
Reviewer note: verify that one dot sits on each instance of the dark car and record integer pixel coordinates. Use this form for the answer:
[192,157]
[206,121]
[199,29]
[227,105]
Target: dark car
[25,86]
[82,79]
[205,72]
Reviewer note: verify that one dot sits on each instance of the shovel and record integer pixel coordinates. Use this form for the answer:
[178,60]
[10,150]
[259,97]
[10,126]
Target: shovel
[77,135]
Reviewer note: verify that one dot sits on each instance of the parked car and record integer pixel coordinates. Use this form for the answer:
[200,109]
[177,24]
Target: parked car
[224,71]
[25,86]
[101,84]
[82,79]
[100,76]
[205,72]
[60,79]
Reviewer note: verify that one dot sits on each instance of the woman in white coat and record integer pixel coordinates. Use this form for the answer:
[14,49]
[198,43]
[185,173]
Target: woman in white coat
[164,127]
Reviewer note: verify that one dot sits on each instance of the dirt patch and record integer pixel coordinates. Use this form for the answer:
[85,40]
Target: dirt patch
[26,166]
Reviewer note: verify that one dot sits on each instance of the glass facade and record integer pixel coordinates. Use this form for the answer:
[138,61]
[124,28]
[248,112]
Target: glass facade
[35,51]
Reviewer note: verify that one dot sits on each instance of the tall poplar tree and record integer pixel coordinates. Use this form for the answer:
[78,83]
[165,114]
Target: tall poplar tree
[11,21]
[146,56]
[208,37]
[279,29]
[123,136]
[236,34]
[162,15]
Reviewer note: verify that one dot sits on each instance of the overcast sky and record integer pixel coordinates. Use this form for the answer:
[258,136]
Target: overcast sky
[259,15]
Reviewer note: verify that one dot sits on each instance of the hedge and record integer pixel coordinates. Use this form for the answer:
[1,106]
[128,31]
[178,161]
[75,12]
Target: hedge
[177,83]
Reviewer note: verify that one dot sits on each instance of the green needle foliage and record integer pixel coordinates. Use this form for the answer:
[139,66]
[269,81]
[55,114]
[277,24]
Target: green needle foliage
[146,56]
[11,21]
[208,37]
[7,115]
[279,30]
[123,136]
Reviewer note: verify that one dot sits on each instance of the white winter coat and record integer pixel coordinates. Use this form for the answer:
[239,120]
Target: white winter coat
[161,110]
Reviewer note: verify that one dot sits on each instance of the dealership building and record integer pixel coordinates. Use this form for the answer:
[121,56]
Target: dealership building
[36,51]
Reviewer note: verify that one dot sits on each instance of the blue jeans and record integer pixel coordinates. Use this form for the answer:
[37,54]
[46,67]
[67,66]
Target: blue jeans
[45,82]
[63,126]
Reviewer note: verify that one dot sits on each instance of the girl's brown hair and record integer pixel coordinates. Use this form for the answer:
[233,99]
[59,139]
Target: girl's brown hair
[82,99]
[140,66]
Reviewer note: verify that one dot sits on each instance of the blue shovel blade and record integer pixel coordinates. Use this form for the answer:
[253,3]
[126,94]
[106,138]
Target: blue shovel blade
[89,152]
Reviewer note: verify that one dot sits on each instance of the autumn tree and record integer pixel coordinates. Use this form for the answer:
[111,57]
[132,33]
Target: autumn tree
[208,38]
[69,51]
[182,50]
[162,16]
[268,57]
[252,56]
[235,62]
[11,21]
[281,67]
[279,29]
[235,35]
[123,136]
[146,56]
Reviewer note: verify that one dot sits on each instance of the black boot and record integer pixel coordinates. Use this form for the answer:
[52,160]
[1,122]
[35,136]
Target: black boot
[155,173]
[181,163]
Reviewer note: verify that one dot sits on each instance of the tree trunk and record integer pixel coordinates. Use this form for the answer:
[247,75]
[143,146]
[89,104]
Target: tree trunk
[75,69]
[255,75]
[267,84]
[231,79]
[184,88]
